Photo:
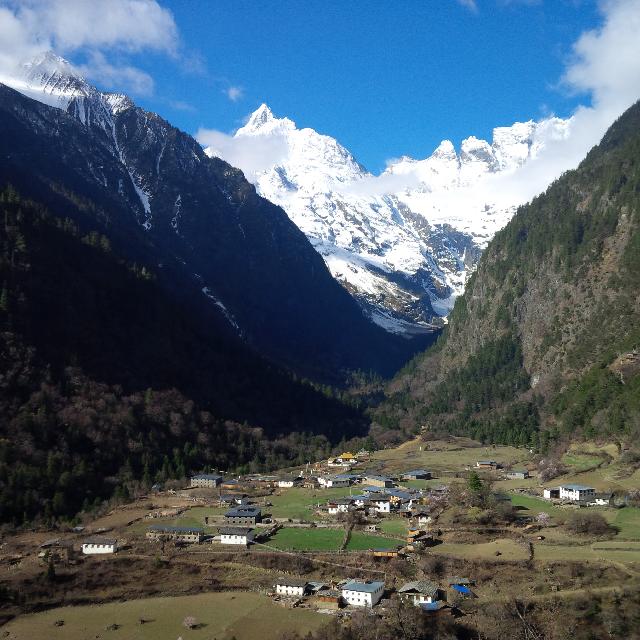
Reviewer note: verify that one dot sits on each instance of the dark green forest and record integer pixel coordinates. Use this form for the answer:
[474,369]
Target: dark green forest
[106,384]
[578,241]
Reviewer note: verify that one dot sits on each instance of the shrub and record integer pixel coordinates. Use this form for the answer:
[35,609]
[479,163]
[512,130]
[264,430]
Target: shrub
[588,524]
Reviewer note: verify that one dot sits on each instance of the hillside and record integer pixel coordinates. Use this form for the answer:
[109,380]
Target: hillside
[193,220]
[106,380]
[544,343]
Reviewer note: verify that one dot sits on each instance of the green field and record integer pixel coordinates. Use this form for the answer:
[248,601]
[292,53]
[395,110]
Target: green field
[247,616]
[581,461]
[628,521]
[362,541]
[531,506]
[299,504]
[394,527]
[307,539]
[320,539]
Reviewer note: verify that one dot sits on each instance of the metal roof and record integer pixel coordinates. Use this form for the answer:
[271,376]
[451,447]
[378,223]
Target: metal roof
[171,529]
[108,541]
[234,531]
[207,476]
[287,581]
[576,487]
[364,587]
[243,512]
[425,587]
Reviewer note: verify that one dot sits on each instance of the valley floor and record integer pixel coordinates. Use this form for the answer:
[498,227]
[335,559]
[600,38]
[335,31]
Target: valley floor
[226,589]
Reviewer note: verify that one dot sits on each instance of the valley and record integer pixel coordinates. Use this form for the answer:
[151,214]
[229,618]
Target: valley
[146,588]
[253,389]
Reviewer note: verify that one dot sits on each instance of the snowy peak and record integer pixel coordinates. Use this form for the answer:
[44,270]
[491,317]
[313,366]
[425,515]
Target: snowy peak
[261,116]
[51,79]
[262,122]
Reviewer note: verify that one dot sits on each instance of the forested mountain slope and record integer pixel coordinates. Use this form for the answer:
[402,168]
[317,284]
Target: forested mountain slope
[106,380]
[545,341]
[196,223]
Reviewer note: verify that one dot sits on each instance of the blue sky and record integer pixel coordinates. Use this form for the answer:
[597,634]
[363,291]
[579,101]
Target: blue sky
[385,78]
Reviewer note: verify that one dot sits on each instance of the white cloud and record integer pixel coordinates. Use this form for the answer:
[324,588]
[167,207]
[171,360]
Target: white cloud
[91,28]
[251,154]
[605,67]
[469,4]
[234,93]
[116,76]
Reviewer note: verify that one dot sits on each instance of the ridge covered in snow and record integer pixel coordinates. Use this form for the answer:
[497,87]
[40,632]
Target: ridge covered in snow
[405,242]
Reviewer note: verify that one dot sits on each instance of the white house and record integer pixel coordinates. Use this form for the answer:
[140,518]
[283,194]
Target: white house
[291,481]
[419,592]
[576,492]
[236,535]
[362,594]
[342,505]
[551,493]
[333,482]
[99,546]
[286,586]
[379,503]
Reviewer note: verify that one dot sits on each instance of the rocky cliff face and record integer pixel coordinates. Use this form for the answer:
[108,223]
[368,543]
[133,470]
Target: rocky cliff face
[403,243]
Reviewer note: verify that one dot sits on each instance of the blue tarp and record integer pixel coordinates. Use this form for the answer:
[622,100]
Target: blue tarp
[461,589]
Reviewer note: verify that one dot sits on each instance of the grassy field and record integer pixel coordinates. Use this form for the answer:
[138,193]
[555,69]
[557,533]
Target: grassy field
[317,539]
[532,506]
[299,504]
[394,527]
[628,521]
[307,539]
[439,455]
[247,616]
[509,550]
[362,541]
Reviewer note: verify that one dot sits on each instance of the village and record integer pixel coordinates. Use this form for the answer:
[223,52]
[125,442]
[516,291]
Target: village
[358,531]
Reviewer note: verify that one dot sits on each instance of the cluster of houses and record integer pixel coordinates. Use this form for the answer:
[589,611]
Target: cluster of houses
[368,593]
[578,494]
[237,529]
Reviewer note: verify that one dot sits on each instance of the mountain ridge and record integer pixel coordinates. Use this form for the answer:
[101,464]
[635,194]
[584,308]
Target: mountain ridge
[401,250]
[213,236]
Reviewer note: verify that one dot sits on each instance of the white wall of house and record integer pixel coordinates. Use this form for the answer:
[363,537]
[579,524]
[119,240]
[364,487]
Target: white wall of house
[285,484]
[576,494]
[226,538]
[362,598]
[418,598]
[382,507]
[90,549]
[287,590]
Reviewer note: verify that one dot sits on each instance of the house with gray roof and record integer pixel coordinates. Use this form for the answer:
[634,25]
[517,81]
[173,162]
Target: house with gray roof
[157,532]
[208,480]
[236,535]
[243,515]
[420,591]
[362,594]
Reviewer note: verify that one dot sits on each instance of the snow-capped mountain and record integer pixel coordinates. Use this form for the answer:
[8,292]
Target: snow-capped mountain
[405,242]
[229,257]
